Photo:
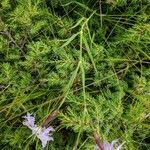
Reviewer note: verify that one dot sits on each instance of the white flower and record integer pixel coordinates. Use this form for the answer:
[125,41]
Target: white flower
[41,133]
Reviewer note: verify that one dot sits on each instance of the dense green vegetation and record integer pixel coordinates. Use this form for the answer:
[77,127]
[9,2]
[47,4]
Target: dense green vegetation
[89,60]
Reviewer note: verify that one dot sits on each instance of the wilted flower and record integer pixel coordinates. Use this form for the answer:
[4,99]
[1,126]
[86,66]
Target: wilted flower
[110,1]
[109,146]
[41,132]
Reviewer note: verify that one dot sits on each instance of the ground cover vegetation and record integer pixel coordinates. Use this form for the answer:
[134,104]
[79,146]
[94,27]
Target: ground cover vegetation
[84,64]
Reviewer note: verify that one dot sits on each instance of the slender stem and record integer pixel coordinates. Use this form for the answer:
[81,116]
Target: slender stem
[98,141]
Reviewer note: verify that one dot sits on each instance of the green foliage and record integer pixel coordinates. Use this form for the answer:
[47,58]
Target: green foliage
[87,59]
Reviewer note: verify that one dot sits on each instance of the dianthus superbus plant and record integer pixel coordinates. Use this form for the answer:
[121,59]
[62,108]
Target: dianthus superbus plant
[86,60]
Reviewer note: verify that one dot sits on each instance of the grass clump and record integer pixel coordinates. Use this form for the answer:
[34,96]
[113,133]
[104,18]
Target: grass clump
[87,60]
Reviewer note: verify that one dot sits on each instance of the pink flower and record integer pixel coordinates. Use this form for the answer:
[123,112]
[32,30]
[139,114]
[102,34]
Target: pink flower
[41,133]
[109,146]
[44,135]
[29,121]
